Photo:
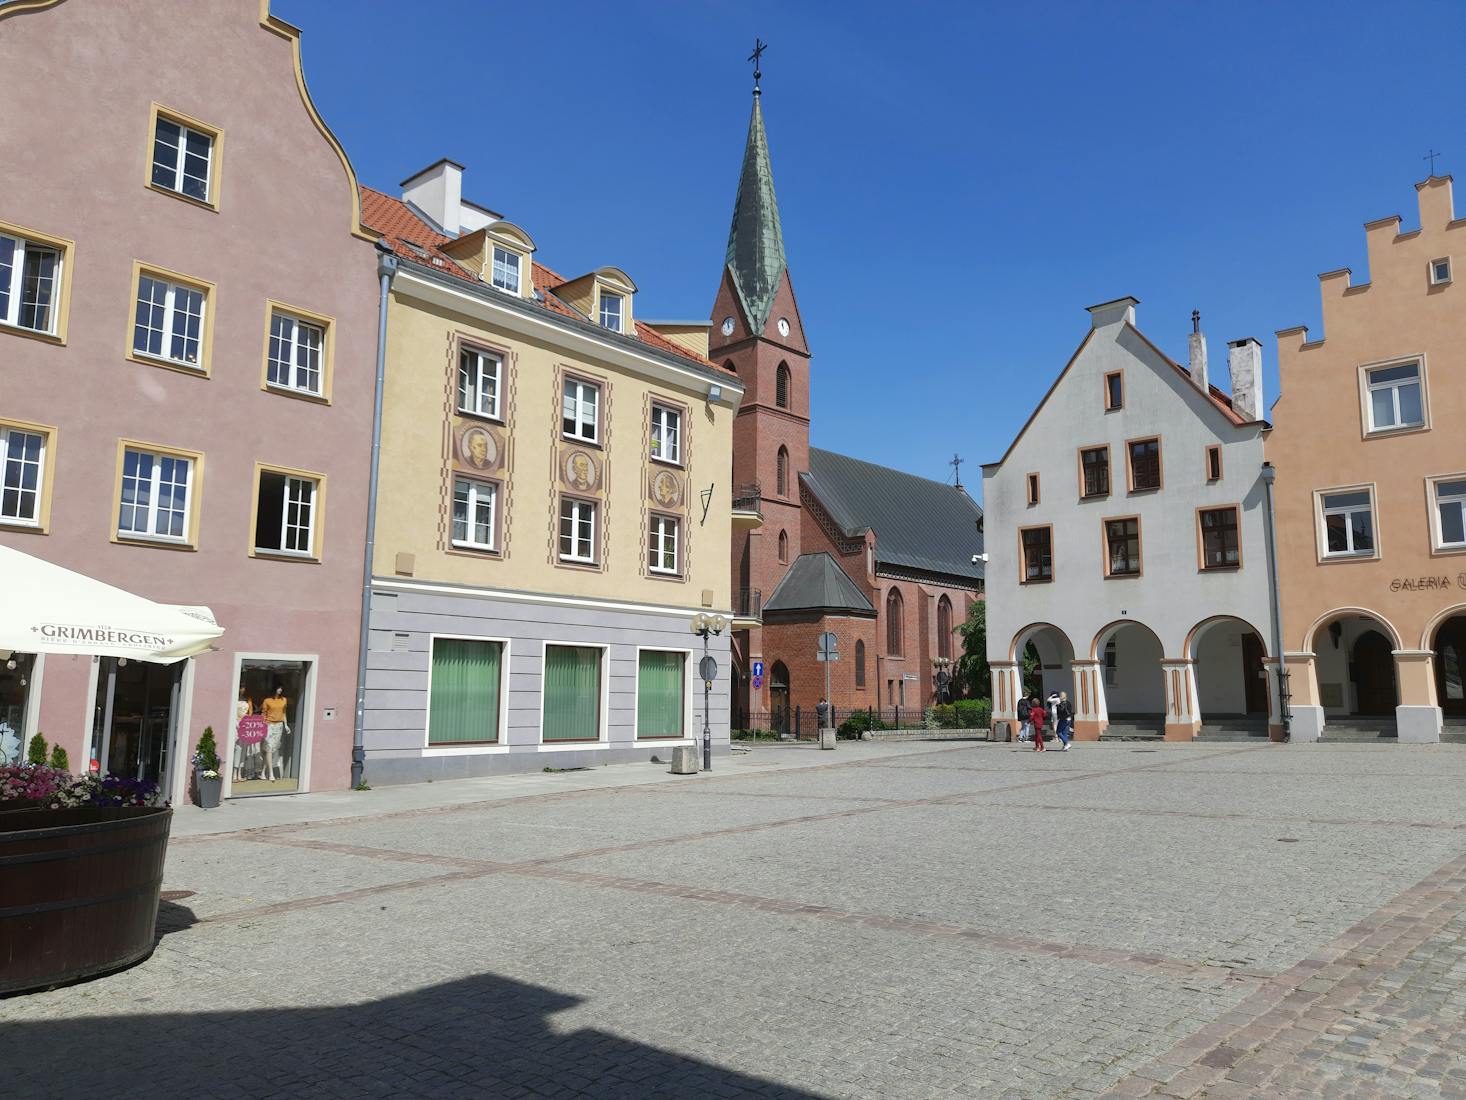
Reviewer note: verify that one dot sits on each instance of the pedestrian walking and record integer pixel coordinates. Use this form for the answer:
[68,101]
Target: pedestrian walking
[1025,731]
[1065,727]
[1036,716]
[1051,704]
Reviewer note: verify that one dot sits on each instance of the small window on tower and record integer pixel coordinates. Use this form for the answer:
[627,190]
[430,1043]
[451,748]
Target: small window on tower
[1440,271]
[1114,391]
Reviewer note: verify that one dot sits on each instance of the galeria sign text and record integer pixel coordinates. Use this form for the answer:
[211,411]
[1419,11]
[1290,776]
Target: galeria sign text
[1426,584]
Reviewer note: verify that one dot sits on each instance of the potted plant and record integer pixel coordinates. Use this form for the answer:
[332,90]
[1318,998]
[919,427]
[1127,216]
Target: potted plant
[206,770]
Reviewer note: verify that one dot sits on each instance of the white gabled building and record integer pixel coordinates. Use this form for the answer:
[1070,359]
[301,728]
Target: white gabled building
[1127,542]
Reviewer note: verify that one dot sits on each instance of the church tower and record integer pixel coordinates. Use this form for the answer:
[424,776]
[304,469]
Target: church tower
[757,332]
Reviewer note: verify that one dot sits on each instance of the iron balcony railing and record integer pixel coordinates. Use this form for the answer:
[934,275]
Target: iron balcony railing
[748,603]
[748,498]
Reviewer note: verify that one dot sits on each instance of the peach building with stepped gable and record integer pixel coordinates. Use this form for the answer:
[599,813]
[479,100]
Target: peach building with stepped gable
[188,312]
[1371,487]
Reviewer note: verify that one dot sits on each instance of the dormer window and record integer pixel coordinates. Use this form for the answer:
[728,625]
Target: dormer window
[506,270]
[1440,271]
[612,310]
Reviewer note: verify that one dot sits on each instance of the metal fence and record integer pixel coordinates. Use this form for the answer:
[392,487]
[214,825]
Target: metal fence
[793,723]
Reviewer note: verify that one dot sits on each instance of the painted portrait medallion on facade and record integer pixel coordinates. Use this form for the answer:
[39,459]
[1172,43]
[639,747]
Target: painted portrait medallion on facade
[580,471]
[666,489]
[477,449]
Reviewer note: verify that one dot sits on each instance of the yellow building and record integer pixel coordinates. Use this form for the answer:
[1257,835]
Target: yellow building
[554,508]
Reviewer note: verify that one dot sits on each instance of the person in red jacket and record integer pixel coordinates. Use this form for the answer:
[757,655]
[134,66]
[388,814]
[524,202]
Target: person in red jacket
[1036,716]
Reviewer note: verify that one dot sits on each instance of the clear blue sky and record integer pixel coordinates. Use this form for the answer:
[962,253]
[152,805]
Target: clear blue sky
[957,180]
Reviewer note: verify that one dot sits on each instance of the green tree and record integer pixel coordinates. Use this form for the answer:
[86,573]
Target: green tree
[206,756]
[36,752]
[973,677]
[59,759]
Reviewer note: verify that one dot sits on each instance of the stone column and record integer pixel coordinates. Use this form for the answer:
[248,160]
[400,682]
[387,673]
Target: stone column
[1006,688]
[1183,712]
[1418,715]
[1307,710]
[1090,713]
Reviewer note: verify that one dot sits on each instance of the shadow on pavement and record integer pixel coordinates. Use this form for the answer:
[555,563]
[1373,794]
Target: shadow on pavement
[483,1037]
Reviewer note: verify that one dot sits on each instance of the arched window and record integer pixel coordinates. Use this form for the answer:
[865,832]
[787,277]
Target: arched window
[859,663]
[784,546]
[893,623]
[944,628]
[782,472]
[781,387]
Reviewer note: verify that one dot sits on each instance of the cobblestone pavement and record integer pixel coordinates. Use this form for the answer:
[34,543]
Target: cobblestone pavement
[915,920]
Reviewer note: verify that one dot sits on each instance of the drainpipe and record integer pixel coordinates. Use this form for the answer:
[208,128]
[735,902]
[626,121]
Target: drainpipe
[386,268]
[1268,475]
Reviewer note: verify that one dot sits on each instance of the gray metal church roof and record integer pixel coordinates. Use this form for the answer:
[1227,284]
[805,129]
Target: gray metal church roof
[815,583]
[919,524]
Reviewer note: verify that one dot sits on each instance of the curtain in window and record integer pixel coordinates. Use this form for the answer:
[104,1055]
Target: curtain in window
[659,695]
[572,693]
[463,704]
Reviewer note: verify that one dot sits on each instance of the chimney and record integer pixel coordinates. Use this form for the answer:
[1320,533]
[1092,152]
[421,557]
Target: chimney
[1244,359]
[437,191]
[1198,352]
[1119,312]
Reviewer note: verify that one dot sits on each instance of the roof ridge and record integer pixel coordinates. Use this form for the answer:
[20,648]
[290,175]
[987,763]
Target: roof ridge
[892,469]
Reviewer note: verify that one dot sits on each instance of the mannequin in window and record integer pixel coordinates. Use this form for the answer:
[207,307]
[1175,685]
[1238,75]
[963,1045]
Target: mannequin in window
[273,710]
[246,757]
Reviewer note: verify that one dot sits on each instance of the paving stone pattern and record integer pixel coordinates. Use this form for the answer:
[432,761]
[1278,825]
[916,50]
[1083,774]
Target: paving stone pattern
[954,920]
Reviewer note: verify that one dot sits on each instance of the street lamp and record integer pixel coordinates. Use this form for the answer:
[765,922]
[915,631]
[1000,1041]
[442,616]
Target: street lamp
[706,626]
[942,677]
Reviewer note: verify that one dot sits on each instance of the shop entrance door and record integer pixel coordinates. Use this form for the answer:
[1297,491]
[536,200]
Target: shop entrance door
[1374,674]
[1450,655]
[136,719]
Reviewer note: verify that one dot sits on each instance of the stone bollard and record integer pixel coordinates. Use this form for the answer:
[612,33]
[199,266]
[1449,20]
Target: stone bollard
[684,760]
[827,737]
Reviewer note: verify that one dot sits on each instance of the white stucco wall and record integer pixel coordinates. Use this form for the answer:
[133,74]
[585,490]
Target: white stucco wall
[1172,595]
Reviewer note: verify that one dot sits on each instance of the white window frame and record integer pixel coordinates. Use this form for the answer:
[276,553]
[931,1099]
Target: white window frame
[1437,534]
[573,398]
[579,509]
[7,433]
[473,499]
[689,718]
[470,396]
[501,259]
[169,320]
[1322,512]
[620,315]
[603,733]
[154,483]
[662,431]
[1435,278]
[1367,389]
[312,508]
[292,365]
[500,746]
[176,187]
[661,531]
[15,284]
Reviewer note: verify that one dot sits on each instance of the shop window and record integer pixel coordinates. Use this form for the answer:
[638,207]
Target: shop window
[464,694]
[270,726]
[16,673]
[287,514]
[661,698]
[572,694]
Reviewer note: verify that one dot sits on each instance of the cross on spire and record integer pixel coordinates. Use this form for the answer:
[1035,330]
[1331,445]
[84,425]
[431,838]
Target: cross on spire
[759,46]
[956,464]
[1428,156]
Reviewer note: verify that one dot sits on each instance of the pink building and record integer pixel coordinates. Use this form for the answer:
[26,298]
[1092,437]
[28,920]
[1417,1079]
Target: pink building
[187,344]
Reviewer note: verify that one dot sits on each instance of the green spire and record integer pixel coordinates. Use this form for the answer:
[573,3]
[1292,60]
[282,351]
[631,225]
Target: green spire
[755,241]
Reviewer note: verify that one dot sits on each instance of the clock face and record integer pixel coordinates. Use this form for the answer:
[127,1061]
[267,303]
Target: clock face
[783,326]
[727,326]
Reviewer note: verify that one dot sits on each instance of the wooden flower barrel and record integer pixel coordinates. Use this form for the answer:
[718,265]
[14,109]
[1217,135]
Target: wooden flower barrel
[78,891]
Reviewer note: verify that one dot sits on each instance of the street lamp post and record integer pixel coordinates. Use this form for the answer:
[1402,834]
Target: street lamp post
[706,626]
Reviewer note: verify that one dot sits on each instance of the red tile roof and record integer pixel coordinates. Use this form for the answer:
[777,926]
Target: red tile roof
[413,239]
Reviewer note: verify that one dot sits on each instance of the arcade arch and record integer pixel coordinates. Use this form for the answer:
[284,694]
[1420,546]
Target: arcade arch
[1227,656]
[1130,657]
[1055,654]
[1354,664]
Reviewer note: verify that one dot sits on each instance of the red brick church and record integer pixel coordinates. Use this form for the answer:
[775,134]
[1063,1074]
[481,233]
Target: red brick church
[887,561]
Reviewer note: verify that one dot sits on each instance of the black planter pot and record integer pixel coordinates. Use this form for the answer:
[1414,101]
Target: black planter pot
[208,790]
